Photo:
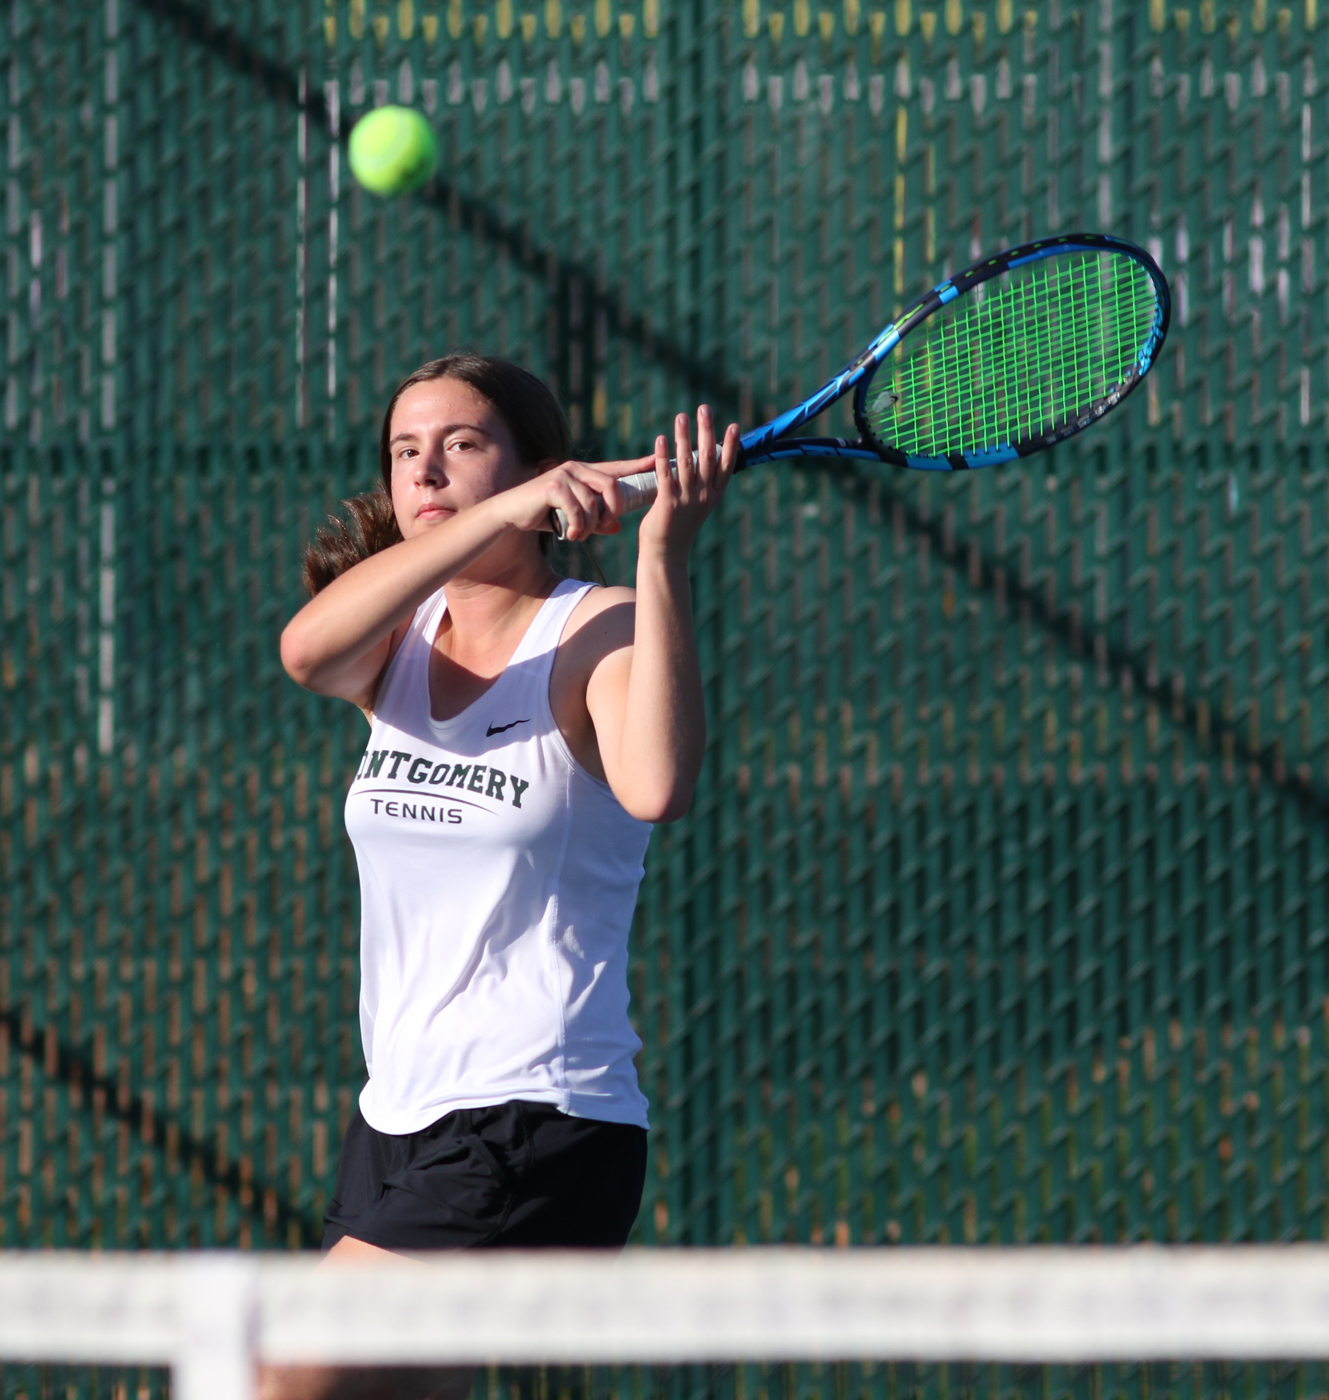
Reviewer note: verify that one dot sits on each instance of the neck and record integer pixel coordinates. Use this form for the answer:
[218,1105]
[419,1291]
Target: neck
[482,600]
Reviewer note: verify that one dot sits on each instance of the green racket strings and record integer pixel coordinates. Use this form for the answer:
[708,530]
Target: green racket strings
[1015,358]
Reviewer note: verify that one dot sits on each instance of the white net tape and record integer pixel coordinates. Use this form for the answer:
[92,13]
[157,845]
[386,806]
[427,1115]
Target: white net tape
[211,1317]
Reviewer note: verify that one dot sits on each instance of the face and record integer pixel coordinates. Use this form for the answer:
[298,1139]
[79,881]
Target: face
[450,449]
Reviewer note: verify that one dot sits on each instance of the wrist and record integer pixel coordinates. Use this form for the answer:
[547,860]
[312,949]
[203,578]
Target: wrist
[499,513]
[663,555]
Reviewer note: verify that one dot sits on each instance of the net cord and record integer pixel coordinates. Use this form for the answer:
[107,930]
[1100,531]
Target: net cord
[212,1316]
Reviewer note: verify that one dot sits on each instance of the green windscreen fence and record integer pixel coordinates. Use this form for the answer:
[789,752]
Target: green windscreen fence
[1001,912]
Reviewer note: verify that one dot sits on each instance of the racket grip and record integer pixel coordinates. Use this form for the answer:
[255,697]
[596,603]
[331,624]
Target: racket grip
[639,490]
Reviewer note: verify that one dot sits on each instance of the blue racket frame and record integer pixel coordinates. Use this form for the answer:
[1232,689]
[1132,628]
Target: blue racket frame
[771,441]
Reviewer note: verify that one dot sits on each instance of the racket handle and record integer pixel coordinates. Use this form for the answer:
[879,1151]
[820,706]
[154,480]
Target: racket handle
[639,490]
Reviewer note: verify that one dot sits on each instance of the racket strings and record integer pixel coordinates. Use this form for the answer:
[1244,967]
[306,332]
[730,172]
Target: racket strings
[1043,345]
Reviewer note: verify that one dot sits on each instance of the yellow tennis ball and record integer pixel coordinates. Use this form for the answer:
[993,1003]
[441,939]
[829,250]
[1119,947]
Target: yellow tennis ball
[392,150]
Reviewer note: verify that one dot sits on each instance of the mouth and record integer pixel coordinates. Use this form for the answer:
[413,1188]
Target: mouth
[434,512]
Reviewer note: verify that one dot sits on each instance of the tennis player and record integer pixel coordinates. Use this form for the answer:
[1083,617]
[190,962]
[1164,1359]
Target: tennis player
[525,732]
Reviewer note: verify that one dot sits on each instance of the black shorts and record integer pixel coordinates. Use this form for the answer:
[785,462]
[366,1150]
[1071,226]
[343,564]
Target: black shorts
[514,1176]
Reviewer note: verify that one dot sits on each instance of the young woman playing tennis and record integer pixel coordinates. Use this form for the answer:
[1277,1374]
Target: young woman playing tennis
[526,730]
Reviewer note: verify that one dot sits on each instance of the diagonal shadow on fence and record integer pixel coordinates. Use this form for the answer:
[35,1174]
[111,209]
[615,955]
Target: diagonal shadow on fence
[60,1061]
[578,293]
[1085,641]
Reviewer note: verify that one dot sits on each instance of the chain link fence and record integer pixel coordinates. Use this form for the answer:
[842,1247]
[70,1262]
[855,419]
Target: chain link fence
[1001,912]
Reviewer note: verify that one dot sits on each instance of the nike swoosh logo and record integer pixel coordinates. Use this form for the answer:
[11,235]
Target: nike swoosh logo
[500,728]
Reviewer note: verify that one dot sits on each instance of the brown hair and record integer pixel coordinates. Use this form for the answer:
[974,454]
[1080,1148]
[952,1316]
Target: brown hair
[523,402]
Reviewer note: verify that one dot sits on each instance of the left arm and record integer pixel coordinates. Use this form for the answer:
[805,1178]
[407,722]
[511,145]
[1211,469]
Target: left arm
[645,699]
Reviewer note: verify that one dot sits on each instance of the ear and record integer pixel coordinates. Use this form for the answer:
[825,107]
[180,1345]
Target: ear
[545,464]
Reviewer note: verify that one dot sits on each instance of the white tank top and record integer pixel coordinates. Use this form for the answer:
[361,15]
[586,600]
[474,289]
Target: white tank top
[498,880]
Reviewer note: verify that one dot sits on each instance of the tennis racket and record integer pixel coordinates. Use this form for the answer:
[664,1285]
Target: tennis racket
[1013,355]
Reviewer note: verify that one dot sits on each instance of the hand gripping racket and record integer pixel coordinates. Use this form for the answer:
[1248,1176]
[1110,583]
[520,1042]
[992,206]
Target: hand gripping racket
[1013,355]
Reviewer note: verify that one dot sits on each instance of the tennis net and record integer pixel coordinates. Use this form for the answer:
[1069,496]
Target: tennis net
[648,1315]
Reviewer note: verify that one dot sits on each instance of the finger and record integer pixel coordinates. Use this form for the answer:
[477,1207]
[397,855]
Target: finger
[580,504]
[626,467]
[603,484]
[664,478]
[600,493]
[602,478]
[705,442]
[570,515]
[683,454]
[729,453]
[637,464]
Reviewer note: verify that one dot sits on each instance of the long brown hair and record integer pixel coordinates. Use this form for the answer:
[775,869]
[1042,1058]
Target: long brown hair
[523,402]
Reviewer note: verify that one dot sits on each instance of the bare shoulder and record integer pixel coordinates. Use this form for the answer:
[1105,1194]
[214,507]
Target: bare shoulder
[601,626]
[601,622]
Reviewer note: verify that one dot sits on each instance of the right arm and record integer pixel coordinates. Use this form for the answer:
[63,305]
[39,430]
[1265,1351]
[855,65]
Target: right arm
[339,642]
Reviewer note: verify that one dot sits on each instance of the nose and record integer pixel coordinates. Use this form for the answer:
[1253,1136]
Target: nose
[429,467]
